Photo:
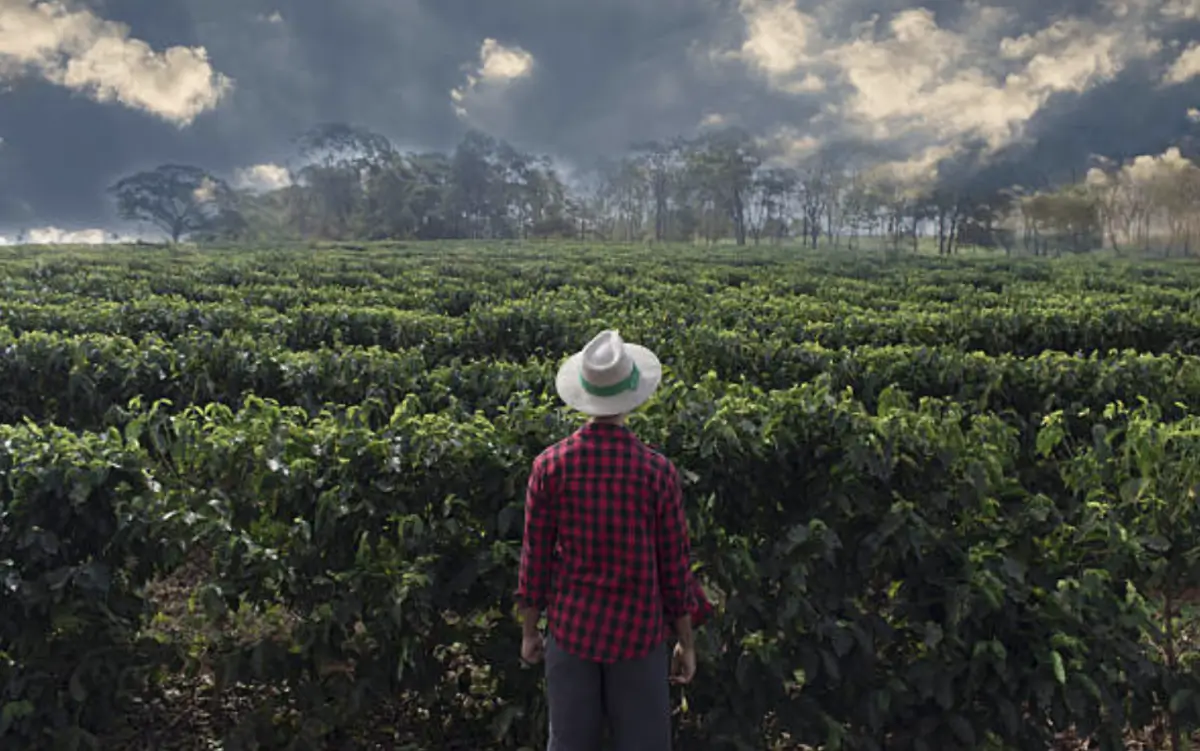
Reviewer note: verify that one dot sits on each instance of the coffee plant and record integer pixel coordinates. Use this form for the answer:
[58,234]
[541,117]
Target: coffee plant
[938,504]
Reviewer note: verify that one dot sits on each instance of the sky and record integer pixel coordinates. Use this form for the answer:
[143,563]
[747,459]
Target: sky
[91,90]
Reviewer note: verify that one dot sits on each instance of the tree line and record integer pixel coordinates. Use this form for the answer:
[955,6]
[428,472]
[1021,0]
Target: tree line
[723,185]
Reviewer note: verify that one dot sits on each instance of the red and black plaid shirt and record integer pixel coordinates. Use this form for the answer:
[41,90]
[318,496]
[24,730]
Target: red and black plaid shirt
[606,550]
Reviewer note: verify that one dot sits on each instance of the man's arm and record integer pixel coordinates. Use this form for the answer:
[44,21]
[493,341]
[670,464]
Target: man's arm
[537,549]
[674,557]
[529,621]
[683,630]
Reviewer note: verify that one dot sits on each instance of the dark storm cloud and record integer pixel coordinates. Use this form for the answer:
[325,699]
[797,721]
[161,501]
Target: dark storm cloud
[603,75]
[608,73]
[384,64]
[1131,115]
[1120,121]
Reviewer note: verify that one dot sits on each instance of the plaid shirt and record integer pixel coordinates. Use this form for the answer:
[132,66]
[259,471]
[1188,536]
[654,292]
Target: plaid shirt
[606,550]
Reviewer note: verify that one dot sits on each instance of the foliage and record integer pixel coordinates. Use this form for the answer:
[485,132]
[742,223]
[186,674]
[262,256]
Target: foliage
[81,532]
[179,200]
[350,183]
[917,494]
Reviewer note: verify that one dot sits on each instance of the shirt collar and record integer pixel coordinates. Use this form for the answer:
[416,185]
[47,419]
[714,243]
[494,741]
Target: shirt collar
[605,428]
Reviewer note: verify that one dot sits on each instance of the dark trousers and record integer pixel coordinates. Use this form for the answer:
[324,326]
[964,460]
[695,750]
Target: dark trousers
[633,695]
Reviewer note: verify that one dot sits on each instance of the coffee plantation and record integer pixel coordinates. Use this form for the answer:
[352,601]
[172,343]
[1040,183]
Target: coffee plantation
[272,498]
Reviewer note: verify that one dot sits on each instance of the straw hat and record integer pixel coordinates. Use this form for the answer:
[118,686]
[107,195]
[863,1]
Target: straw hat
[609,376]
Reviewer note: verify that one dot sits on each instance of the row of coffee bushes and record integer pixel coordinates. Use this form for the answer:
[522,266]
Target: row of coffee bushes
[887,578]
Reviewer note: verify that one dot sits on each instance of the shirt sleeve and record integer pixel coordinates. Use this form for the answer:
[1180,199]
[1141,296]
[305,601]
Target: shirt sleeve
[673,548]
[537,547]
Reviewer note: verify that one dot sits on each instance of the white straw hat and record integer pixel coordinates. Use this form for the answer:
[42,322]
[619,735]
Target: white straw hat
[609,377]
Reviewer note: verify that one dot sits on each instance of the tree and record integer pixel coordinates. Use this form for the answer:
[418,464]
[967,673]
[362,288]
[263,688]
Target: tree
[947,208]
[624,197]
[861,207]
[344,145]
[429,198]
[178,199]
[1067,219]
[770,214]
[816,197]
[723,165]
[662,165]
[1148,199]
[982,219]
[339,162]
[476,192]
[353,183]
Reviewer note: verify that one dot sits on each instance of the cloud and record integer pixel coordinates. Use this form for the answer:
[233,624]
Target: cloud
[1147,171]
[262,178]
[1182,9]
[59,236]
[933,89]
[77,50]
[500,63]
[56,236]
[790,145]
[1147,168]
[589,79]
[780,42]
[498,66]
[1186,66]
[206,191]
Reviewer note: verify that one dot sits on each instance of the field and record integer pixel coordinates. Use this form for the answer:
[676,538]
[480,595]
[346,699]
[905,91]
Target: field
[272,498]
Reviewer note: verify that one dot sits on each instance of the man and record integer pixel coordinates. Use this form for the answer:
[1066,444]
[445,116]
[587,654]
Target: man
[606,555]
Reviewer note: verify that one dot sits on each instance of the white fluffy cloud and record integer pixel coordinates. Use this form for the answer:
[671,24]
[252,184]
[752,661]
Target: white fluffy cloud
[1162,178]
[1145,169]
[59,236]
[937,88]
[262,178]
[498,67]
[781,41]
[78,50]
[1186,66]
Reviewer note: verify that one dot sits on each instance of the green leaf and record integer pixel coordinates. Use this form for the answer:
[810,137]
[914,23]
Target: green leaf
[13,711]
[1060,672]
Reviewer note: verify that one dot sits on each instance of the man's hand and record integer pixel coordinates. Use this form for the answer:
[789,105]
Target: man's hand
[533,648]
[683,664]
[533,644]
